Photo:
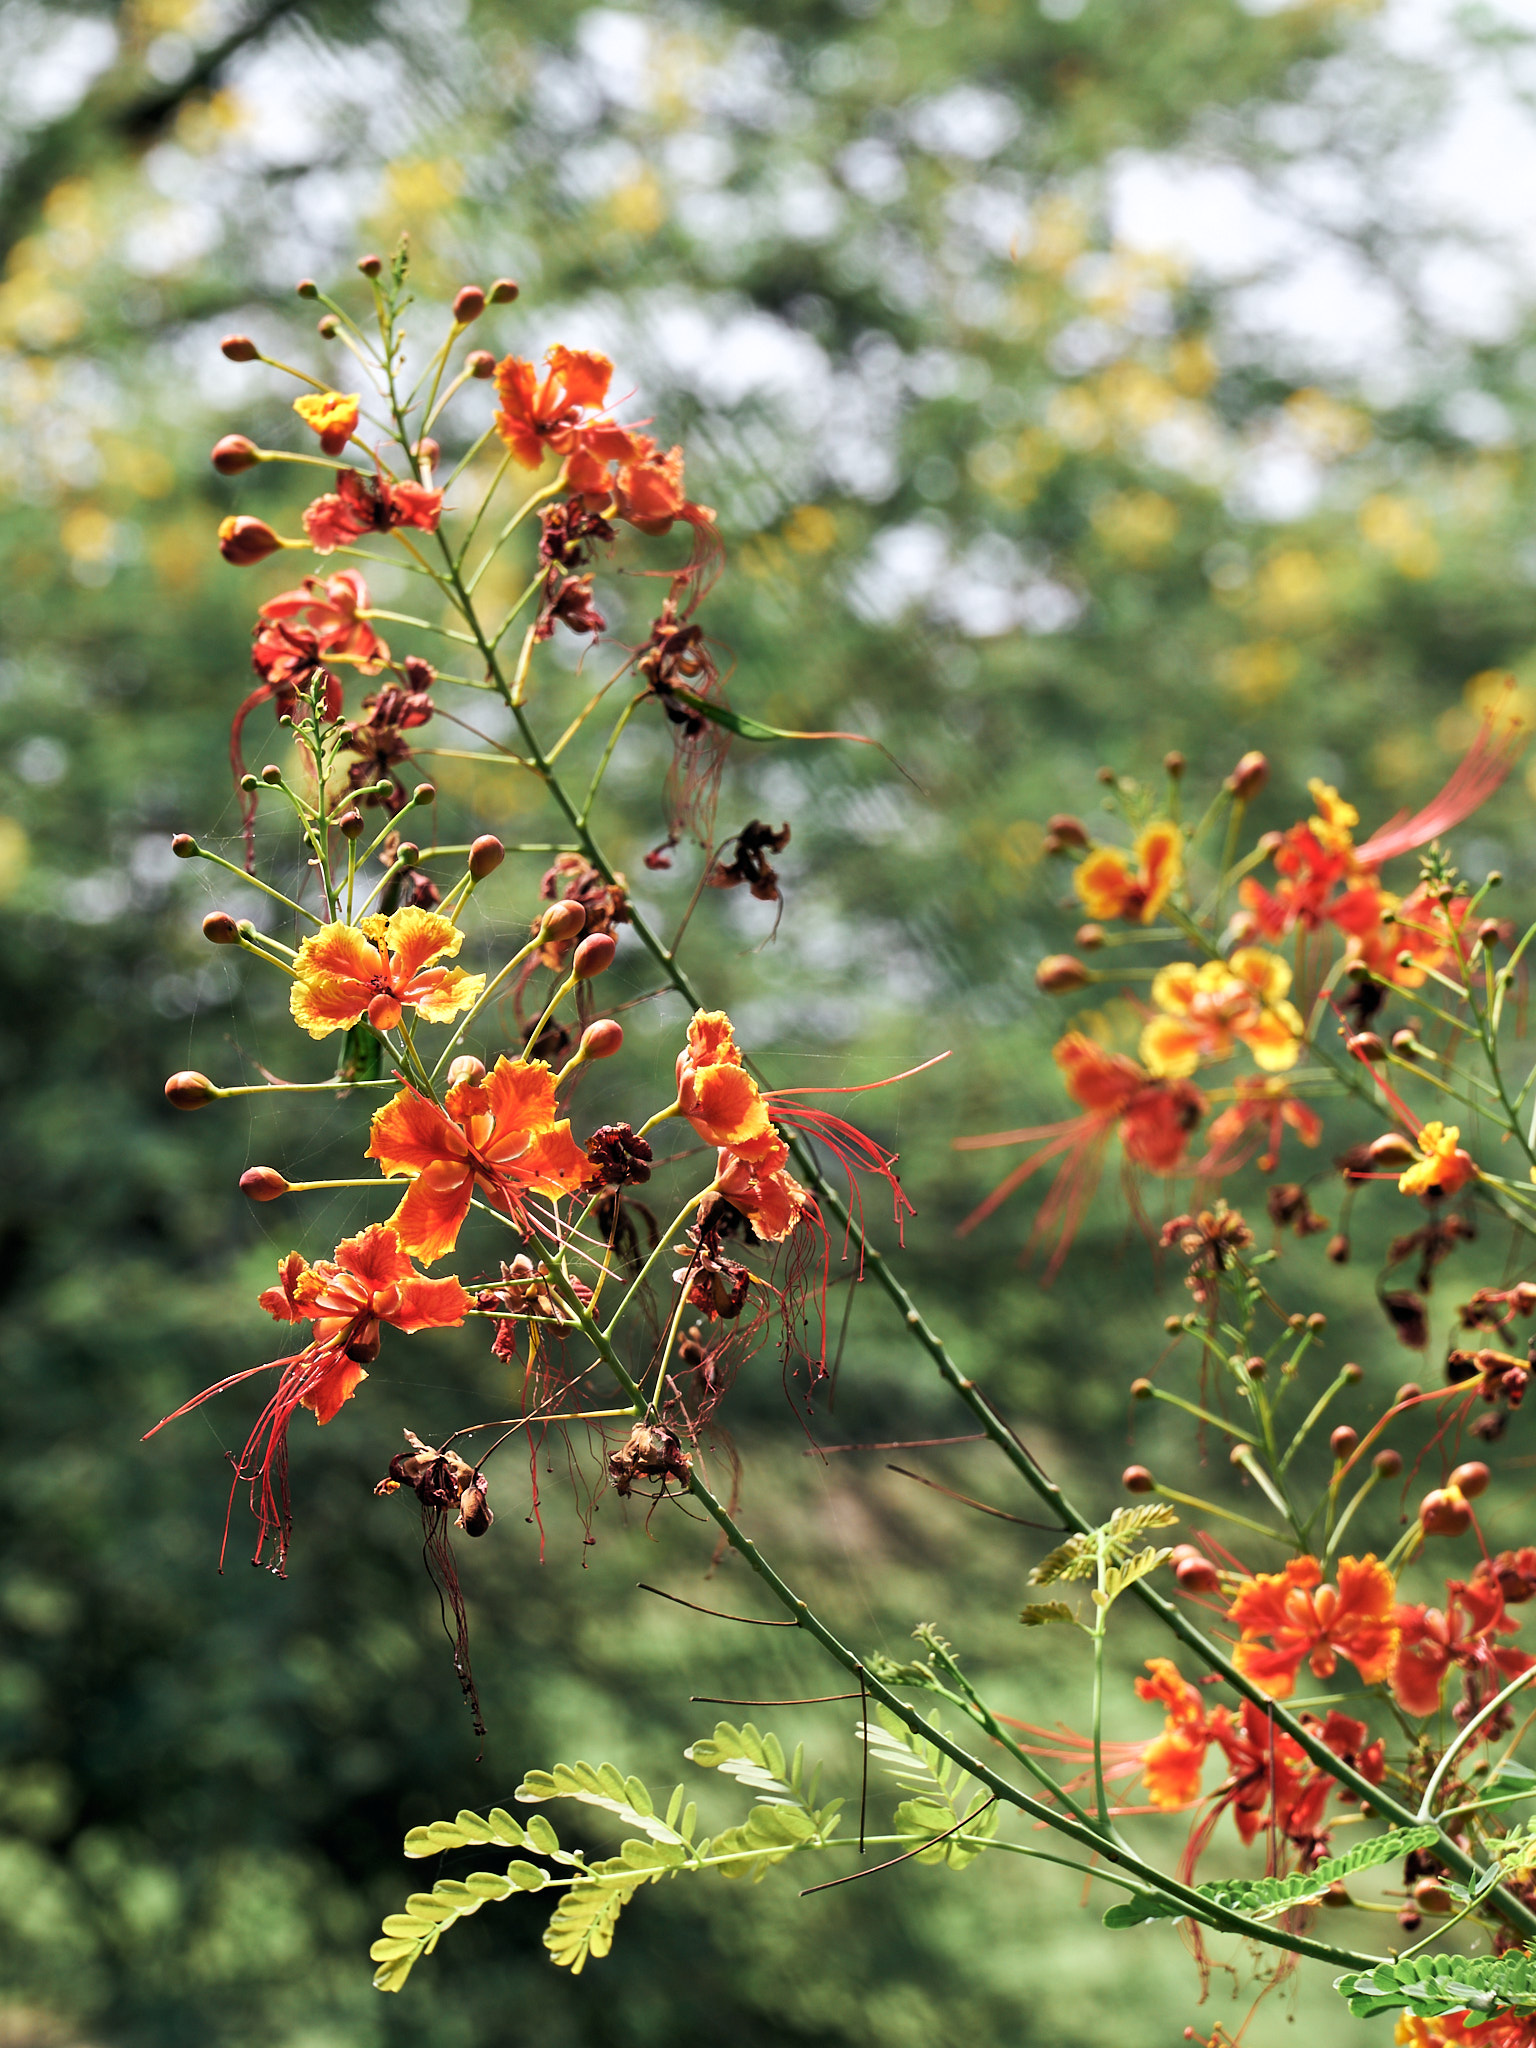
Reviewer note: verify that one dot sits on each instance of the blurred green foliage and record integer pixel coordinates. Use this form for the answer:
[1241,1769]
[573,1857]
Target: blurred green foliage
[992,487]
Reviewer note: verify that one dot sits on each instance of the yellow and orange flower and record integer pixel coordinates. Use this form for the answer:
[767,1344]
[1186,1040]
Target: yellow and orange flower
[714,1090]
[1444,1166]
[560,414]
[1111,885]
[377,969]
[332,415]
[1263,1109]
[500,1136]
[753,1178]
[1304,1619]
[1208,1011]
[1172,1763]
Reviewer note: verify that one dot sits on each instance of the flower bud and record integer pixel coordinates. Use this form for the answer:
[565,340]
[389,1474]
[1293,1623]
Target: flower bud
[1317,1321]
[240,348]
[370,266]
[1173,1325]
[1410,1390]
[1351,1373]
[189,1090]
[350,824]
[480,363]
[1058,974]
[233,454]
[1489,932]
[1249,776]
[1141,1390]
[466,1068]
[328,326]
[1136,1479]
[428,452]
[503,292]
[1090,937]
[1387,1464]
[562,921]
[594,955]
[1338,1249]
[486,856]
[1344,1442]
[245,541]
[220,929]
[1196,1574]
[600,1041]
[1431,1896]
[1404,1044]
[424,793]
[1443,1512]
[262,1183]
[468,304]
[1366,1045]
[184,846]
[1471,1479]
[272,775]
[384,1012]
[1255,1368]
[307,288]
[1067,830]
[1174,764]
[1392,1149]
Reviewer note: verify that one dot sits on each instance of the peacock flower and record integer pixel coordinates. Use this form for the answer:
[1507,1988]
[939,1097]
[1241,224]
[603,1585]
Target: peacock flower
[332,415]
[365,504]
[561,414]
[753,1179]
[1432,1640]
[1173,1763]
[1111,885]
[334,609]
[377,969]
[648,488]
[714,1090]
[1443,1167]
[1304,1619]
[1335,820]
[498,1136]
[1265,1106]
[1208,1011]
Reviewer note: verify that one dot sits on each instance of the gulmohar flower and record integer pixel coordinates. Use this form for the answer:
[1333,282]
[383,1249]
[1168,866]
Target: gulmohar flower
[1110,885]
[1444,1167]
[1209,1010]
[1306,1620]
[377,969]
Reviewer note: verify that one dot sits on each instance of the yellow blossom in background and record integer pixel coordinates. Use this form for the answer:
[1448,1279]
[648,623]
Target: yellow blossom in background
[1059,233]
[1398,529]
[1192,365]
[13,856]
[1136,396]
[1259,671]
[422,186]
[1140,525]
[810,530]
[1329,429]
[1291,590]
[1075,416]
[87,534]
[638,208]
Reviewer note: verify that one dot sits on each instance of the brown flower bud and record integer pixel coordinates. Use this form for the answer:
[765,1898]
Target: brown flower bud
[466,1068]
[407,853]
[1249,776]
[272,775]
[307,288]
[328,326]
[1058,974]
[1174,763]
[262,1183]
[1136,1479]
[1338,1249]
[1069,831]
[1392,1149]
[1141,1390]
[245,541]
[1365,1045]
[562,921]
[1410,1390]
[1431,1896]
[1471,1479]
[240,348]
[1173,1325]
[600,1041]
[1489,932]
[1317,1321]
[184,846]
[1089,937]
[1443,1512]
[424,793]
[370,265]
[428,452]
[1351,1373]
[468,304]
[594,956]
[480,363]
[486,856]
[1404,1044]
[1255,1368]
[189,1090]
[503,292]
[220,929]
[1196,1574]
[1343,1442]
[233,454]
[1387,1464]
[350,824]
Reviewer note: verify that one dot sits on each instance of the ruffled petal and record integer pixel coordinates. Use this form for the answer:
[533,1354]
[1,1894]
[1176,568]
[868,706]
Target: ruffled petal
[1171,1047]
[324,1003]
[418,937]
[410,1133]
[552,1163]
[375,1257]
[430,1304]
[442,992]
[429,1219]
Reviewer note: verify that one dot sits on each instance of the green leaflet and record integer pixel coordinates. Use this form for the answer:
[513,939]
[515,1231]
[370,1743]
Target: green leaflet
[941,1791]
[1260,1897]
[583,1923]
[466,1827]
[1039,1612]
[606,1786]
[1433,1985]
[410,1935]
[1120,1536]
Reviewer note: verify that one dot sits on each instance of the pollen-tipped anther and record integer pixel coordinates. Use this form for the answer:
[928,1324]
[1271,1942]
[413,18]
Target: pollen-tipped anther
[189,1090]
[262,1183]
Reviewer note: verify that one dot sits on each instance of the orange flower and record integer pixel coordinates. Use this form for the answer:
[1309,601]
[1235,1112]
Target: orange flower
[1444,1168]
[1110,887]
[500,1136]
[1208,1011]
[1262,1105]
[752,1178]
[1462,1634]
[1460,2030]
[376,969]
[333,610]
[366,504]
[1172,1763]
[561,416]
[1305,1619]
[332,414]
[714,1090]
[648,487]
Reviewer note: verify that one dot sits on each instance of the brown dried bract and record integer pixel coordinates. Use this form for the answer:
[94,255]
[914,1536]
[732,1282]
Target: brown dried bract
[1290,1207]
[440,1480]
[620,1156]
[649,1452]
[1210,1241]
[749,863]
[573,879]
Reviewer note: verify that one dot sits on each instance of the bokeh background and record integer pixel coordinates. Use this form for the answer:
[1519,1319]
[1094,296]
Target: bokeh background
[1075,379]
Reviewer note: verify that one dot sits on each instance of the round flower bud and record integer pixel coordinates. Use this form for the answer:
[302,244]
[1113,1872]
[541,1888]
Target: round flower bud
[1175,763]
[424,793]
[562,921]
[1387,1464]
[240,348]
[1249,776]
[1067,830]
[1343,1442]
[1392,1149]
[384,1012]
[480,363]
[1489,932]
[600,1041]
[272,775]
[1443,1512]
[1141,1390]
[1351,1373]
[486,856]
[1471,1479]
[1173,1325]
[1058,974]
[428,452]
[1404,1044]
[220,929]
[503,292]
[370,266]
[262,1183]
[1136,1479]
[1431,1896]
[468,304]
[466,1068]
[184,846]
[1196,1574]
[189,1090]
[1410,1390]
[350,824]
[328,326]
[1365,1045]
[245,541]
[1338,1249]
[1255,1368]
[1090,937]
[1317,1321]
[594,955]
[307,288]
[407,853]
[233,454]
